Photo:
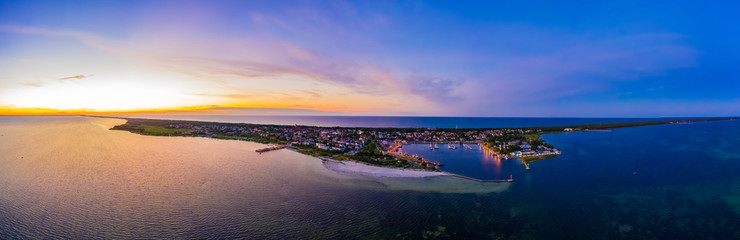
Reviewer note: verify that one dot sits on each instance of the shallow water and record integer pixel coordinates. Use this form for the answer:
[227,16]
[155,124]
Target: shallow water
[71,177]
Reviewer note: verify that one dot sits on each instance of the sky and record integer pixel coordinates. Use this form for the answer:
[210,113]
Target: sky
[385,58]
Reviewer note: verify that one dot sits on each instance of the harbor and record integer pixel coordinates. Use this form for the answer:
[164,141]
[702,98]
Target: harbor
[467,161]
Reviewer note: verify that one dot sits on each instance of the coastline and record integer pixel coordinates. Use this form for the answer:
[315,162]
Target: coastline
[276,134]
[356,168]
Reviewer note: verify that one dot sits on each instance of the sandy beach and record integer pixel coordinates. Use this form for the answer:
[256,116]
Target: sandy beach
[355,168]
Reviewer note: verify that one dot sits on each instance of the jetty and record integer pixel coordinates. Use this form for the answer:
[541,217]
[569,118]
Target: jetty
[267,149]
[511,178]
[526,165]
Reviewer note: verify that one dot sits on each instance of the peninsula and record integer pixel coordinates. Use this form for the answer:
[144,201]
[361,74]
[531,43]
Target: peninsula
[380,146]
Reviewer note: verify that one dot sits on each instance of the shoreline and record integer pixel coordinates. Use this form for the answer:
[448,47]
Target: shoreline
[357,168]
[276,134]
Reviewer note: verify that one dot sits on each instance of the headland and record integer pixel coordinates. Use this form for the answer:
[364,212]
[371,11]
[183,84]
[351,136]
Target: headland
[343,148]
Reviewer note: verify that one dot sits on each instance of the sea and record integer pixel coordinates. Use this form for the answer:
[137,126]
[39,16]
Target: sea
[70,177]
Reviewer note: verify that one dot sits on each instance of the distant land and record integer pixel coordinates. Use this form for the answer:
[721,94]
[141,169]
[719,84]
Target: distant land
[397,121]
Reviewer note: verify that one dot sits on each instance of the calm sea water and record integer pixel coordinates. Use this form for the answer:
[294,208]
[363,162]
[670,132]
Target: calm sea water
[475,162]
[400,122]
[71,177]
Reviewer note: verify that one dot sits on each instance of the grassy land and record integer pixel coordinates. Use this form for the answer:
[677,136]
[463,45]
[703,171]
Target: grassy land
[371,154]
[317,152]
[155,130]
[161,128]
[251,138]
[586,127]
[163,131]
[533,136]
[538,158]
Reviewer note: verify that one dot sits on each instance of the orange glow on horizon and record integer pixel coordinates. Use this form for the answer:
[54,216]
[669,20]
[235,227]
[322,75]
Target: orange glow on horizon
[209,109]
[330,105]
[48,111]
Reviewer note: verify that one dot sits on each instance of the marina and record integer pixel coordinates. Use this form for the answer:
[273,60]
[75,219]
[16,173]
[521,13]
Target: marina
[477,164]
[396,150]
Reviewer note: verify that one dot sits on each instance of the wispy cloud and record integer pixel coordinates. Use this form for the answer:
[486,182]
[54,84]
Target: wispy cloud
[587,66]
[311,93]
[76,77]
[296,48]
[91,39]
[256,61]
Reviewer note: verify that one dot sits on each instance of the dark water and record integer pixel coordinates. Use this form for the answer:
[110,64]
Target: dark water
[401,122]
[70,177]
[475,162]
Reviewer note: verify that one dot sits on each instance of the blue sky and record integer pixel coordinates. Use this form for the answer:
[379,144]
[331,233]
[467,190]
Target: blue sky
[440,58]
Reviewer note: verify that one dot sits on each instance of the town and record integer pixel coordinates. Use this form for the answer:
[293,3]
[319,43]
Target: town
[382,146]
[375,146]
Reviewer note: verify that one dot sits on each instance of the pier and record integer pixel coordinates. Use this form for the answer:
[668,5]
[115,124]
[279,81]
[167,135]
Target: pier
[273,148]
[511,178]
[526,165]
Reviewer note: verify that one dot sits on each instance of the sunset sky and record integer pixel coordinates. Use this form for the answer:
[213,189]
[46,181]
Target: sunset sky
[455,58]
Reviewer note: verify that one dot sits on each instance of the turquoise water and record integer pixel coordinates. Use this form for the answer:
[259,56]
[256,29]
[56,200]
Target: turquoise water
[70,177]
[668,182]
